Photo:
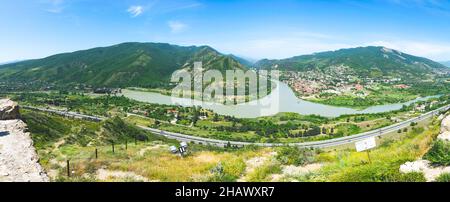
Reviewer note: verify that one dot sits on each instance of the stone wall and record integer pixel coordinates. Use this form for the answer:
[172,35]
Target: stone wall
[19,161]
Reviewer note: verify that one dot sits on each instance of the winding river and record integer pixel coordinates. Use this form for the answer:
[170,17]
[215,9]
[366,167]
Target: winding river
[282,99]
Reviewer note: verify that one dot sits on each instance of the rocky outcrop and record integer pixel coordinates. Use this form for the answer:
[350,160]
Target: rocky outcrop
[424,166]
[18,158]
[9,110]
[445,136]
[445,129]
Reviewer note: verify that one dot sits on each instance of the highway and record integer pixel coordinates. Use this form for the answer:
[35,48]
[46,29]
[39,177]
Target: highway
[221,143]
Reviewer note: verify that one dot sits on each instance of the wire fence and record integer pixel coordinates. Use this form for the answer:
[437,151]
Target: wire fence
[95,157]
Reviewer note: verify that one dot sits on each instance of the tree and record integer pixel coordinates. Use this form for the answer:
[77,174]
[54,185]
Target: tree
[216,118]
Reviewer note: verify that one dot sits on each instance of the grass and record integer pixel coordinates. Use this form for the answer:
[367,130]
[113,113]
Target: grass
[156,164]
[351,166]
[150,157]
[152,160]
[263,173]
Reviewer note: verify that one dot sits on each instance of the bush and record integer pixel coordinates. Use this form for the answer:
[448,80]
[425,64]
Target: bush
[412,177]
[295,156]
[218,174]
[439,154]
[444,177]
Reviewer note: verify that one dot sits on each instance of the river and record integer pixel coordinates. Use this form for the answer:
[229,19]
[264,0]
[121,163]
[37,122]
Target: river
[282,99]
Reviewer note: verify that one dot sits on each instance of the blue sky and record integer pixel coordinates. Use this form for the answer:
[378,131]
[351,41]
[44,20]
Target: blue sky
[251,28]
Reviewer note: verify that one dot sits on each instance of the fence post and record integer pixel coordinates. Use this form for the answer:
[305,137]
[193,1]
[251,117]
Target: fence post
[68,168]
[135,140]
[96,153]
[126,144]
[113,146]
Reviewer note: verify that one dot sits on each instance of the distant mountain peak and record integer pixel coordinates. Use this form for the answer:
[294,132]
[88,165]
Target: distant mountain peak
[446,63]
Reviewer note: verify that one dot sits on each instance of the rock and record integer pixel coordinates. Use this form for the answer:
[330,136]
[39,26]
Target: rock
[19,161]
[445,125]
[9,110]
[445,136]
[423,166]
[416,166]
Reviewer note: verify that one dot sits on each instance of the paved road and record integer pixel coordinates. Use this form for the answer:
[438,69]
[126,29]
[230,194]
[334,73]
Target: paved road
[316,144]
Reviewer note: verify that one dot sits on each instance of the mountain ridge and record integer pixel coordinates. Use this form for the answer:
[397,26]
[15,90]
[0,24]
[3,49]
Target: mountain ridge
[150,65]
[121,65]
[367,61]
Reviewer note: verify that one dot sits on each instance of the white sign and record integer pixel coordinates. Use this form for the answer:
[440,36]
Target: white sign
[366,144]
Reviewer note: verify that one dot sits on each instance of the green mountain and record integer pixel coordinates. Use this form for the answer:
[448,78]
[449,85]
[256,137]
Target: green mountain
[243,61]
[365,61]
[122,65]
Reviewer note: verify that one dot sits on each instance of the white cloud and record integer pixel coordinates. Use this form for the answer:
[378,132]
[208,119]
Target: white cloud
[176,26]
[135,10]
[432,50]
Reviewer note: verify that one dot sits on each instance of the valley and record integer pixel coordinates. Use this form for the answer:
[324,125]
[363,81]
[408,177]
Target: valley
[357,78]
[129,121]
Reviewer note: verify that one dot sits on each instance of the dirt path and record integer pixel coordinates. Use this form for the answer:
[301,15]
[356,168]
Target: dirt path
[18,158]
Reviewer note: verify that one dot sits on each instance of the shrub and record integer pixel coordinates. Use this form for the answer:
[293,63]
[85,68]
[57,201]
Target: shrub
[412,177]
[218,174]
[444,177]
[262,173]
[439,154]
[295,156]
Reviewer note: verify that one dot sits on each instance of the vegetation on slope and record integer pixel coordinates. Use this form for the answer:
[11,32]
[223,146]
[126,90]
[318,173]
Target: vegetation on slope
[124,65]
[439,154]
[366,61]
[151,161]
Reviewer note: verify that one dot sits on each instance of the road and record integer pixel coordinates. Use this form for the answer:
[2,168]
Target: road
[315,144]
